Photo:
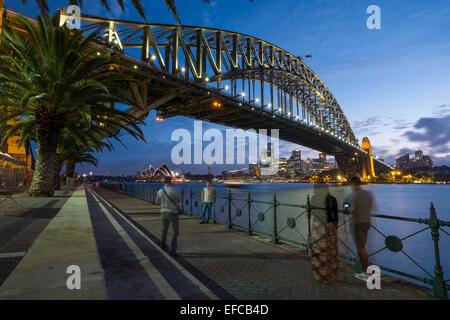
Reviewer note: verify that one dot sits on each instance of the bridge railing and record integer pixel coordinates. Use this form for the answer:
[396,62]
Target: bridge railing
[295,226]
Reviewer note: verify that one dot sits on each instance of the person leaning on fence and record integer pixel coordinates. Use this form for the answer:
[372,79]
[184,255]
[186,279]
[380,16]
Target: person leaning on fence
[167,197]
[206,199]
[324,244]
[360,204]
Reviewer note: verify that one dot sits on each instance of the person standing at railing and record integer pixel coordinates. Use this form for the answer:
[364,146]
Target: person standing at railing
[324,241]
[359,204]
[167,197]
[206,198]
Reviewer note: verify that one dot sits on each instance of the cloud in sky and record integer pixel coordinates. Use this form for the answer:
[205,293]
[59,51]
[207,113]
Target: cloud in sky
[433,132]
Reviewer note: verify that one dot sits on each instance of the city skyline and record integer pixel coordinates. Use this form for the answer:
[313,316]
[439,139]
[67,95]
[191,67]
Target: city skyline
[382,92]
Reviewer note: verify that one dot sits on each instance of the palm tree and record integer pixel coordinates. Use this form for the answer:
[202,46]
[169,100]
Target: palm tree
[72,151]
[50,81]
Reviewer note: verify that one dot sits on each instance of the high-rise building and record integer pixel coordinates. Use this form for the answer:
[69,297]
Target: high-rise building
[282,167]
[417,155]
[322,159]
[419,161]
[307,166]
[294,163]
[403,161]
[427,162]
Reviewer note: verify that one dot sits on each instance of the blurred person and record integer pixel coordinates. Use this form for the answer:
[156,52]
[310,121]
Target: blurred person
[206,199]
[359,203]
[167,197]
[324,241]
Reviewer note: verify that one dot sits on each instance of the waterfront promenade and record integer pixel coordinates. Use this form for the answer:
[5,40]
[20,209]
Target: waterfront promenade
[115,241]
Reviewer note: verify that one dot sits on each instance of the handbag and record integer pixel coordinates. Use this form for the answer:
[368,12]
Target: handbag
[171,200]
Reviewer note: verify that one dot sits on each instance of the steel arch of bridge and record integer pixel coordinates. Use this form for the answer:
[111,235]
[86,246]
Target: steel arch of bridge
[250,69]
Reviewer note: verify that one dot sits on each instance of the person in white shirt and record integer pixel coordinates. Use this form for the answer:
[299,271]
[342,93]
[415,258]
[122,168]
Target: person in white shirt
[206,198]
[167,197]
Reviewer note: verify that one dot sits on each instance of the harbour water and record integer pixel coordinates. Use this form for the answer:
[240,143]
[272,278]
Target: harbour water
[402,200]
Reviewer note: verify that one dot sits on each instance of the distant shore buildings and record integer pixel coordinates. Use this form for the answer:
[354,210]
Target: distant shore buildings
[418,161]
[293,167]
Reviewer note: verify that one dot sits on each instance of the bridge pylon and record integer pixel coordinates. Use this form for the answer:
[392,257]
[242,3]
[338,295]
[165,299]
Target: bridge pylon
[359,164]
[368,169]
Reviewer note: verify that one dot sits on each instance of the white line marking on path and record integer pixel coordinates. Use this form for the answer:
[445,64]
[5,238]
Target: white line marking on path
[12,254]
[191,277]
[161,283]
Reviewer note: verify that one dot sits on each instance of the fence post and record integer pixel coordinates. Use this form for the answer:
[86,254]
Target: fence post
[275,229]
[182,199]
[230,225]
[214,208]
[439,287]
[153,194]
[190,194]
[308,215]
[249,204]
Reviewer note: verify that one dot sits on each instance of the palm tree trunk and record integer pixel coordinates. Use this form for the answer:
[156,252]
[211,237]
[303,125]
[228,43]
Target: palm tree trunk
[70,169]
[42,183]
[56,177]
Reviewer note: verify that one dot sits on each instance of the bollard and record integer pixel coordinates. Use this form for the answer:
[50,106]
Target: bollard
[230,225]
[439,287]
[275,229]
[249,204]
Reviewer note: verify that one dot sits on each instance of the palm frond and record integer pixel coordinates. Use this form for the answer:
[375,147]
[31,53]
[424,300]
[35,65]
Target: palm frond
[171,5]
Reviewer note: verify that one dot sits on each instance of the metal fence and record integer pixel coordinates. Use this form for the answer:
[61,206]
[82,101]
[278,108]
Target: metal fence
[10,177]
[256,216]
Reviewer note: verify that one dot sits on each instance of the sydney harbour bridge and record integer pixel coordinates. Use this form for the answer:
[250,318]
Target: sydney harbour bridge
[231,79]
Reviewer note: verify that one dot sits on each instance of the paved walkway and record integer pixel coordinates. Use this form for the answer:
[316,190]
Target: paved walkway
[234,265]
[19,227]
[67,240]
[114,239]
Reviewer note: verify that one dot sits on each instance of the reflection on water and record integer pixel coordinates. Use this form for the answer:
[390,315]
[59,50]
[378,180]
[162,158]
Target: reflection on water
[396,200]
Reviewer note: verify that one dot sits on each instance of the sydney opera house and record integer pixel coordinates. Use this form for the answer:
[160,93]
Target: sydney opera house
[157,174]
